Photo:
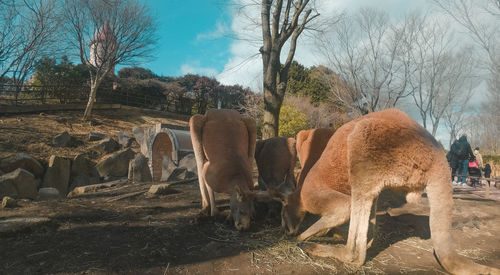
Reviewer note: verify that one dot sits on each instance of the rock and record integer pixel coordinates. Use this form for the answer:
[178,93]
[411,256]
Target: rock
[82,172]
[167,168]
[179,173]
[80,166]
[61,140]
[189,162]
[22,160]
[18,184]
[161,189]
[48,193]
[7,188]
[138,169]
[187,169]
[106,146]
[57,174]
[93,136]
[95,187]
[8,202]
[116,165]
[144,138]
[124,140]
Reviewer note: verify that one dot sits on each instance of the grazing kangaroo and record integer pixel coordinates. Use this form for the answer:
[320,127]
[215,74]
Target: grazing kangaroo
[382,150]
[276,158]
[224,146]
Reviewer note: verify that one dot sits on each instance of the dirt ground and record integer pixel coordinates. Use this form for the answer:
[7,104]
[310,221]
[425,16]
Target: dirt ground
[106,232]
[33,133]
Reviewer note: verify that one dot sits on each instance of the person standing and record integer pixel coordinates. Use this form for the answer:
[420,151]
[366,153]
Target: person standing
[479,158]
[451,156]
[453,160]
[464,152]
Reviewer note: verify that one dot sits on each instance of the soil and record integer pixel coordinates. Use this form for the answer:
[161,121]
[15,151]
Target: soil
[125,230]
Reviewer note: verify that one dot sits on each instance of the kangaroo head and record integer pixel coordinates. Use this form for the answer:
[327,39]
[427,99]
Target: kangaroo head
[291,213]
[241,203]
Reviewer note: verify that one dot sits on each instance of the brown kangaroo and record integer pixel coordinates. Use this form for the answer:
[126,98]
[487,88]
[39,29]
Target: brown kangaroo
[310,146]
[382,150]
[224,146]
[276,158]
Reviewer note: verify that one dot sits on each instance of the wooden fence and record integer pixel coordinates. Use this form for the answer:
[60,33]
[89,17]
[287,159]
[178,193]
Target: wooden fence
[30,95]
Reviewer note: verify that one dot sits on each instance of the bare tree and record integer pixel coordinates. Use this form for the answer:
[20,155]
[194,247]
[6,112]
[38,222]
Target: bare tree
[27,32]
[371,55]
[481,20]
[281,21]
[105,33]
[432,60]
[457,85]
[455,116]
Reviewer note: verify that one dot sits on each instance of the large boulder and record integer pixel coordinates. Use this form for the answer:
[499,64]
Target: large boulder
[106,146]
[116,165]
[61,140]
[82,172]
[124,140]
[24,161]
[189,162]
[57,174]
[48,193]
[138,169]
[19,183]
[187,169]
[144,138]
[167,168]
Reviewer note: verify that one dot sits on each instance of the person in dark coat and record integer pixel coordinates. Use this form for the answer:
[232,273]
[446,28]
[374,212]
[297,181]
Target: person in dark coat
[464,153]
[452,159]
[487,172]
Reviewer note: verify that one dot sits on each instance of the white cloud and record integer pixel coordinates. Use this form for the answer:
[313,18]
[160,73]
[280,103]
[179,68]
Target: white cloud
[221,30]
[244,67]
[195,68]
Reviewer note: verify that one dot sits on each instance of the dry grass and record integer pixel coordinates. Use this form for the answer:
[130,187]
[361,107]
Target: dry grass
[272,248]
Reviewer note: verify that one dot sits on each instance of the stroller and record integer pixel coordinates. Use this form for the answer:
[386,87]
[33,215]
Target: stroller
[474,173]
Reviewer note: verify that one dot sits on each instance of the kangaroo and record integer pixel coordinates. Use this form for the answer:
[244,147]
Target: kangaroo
[382,150]
[224,146]
[276,158]
[310,146]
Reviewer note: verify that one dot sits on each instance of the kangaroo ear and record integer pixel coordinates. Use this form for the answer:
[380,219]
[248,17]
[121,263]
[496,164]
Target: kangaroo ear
[285,188]
[277,195]
[239,193]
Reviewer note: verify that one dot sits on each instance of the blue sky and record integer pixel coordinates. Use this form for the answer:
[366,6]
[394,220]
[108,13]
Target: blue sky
[193,37]
[190,37]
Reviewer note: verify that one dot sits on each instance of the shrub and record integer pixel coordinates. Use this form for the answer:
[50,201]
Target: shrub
[291,121]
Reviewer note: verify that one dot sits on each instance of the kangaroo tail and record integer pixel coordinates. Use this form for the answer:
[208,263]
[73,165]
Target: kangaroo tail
[440,193]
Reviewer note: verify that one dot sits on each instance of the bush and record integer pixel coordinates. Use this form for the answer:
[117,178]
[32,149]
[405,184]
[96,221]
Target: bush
[491,158]
[291,121]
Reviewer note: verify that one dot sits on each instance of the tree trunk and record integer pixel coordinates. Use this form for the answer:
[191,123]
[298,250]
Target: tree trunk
[271,115]
[92,97]
[273,98]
